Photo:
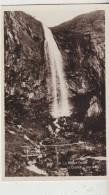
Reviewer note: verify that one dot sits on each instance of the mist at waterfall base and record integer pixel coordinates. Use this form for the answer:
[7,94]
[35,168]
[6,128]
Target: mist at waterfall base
[60,106]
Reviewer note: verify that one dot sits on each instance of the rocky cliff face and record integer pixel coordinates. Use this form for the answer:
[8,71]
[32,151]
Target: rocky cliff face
[82,43]
[24,62]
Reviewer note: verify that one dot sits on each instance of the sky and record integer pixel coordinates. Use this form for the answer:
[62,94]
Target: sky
[52,15]
[55,15]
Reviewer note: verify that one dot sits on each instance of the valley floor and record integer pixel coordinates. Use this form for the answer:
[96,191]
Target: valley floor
[63,154]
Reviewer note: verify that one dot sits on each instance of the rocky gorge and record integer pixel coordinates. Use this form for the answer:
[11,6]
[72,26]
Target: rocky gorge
[27,101]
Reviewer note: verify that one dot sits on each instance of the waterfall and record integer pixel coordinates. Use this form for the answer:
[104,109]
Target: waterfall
[60,105]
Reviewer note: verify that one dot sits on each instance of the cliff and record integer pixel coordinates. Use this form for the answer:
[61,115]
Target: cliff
[82,44]
[24,62]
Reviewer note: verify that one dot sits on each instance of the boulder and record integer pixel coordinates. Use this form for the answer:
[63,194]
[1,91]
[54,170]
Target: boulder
[95,108]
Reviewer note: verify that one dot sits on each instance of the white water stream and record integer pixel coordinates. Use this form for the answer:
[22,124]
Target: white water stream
[60,105]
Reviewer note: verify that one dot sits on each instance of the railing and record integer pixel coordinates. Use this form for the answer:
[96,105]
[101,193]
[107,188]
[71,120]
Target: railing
[30,152]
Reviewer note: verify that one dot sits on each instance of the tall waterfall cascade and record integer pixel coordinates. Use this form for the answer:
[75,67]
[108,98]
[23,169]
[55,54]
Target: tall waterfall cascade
[60,106]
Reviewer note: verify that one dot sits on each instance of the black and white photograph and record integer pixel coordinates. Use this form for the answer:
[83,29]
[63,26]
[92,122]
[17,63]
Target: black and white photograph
[54,86]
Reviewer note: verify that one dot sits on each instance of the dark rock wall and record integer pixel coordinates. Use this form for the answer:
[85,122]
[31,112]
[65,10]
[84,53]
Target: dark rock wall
[24,61]
[82,43]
